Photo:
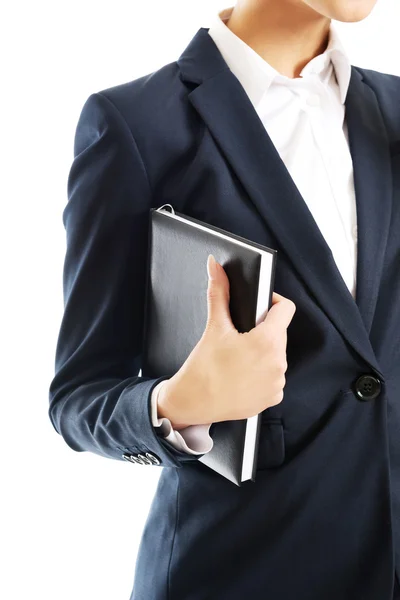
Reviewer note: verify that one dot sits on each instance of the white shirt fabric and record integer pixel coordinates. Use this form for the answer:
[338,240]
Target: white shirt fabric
[305,118]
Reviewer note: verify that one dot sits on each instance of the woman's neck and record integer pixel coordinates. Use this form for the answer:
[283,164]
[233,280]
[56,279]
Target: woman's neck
[285,33]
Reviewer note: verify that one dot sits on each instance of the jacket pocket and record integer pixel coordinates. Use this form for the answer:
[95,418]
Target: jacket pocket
[271,450]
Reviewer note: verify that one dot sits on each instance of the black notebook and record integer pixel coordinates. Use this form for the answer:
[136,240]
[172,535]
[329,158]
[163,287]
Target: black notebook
[176,314]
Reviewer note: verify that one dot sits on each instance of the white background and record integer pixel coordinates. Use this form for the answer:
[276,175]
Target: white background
[71,522]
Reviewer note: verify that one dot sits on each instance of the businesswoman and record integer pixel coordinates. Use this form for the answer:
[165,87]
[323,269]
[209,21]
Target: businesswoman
[263,128]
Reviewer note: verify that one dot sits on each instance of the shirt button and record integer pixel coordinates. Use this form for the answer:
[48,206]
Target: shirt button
[313,100]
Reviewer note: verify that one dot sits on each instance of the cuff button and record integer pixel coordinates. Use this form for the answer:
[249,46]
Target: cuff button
[154,459]
[144,459]
[129,457]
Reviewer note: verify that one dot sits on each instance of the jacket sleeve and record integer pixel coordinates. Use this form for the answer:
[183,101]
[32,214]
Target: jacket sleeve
[98,401]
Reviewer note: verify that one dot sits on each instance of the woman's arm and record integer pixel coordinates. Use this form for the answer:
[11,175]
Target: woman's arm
[98,403]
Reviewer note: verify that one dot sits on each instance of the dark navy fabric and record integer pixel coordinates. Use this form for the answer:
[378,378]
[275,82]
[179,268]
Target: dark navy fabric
[396,592]
[323,521]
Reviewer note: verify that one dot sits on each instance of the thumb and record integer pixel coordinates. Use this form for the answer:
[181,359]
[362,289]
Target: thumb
[218,296]
[278,317]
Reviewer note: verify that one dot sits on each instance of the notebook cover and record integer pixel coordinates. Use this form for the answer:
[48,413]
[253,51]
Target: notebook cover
[176,311]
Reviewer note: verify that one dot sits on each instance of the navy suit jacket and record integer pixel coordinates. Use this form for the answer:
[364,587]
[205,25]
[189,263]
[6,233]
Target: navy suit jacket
[322,520]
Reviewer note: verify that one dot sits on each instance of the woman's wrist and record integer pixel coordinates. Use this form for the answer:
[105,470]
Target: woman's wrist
[166,408]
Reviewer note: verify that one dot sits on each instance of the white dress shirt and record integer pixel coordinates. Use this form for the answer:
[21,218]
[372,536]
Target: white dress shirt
[305,118]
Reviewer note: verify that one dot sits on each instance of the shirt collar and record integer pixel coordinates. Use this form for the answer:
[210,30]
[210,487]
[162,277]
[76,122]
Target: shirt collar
[256,74]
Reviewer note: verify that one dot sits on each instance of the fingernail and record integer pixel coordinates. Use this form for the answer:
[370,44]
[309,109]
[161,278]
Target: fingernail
[211,267]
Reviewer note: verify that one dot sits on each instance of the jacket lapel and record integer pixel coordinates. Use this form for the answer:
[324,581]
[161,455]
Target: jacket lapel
[227,111]
[370,150]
